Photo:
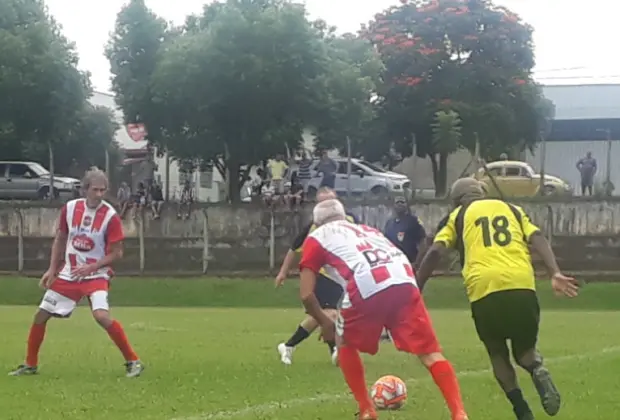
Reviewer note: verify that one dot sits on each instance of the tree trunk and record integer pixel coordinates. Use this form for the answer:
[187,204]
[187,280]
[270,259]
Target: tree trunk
[435,168]
[234,189]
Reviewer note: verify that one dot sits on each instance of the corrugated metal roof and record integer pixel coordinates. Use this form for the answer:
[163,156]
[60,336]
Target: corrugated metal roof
[584,101]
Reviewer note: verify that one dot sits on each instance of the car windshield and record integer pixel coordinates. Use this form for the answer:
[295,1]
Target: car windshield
[38,169]
[372,167]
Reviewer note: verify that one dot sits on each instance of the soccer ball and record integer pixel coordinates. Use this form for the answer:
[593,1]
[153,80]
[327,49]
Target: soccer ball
[389,393]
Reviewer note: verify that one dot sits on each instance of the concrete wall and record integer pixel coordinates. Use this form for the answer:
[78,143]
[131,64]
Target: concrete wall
[584,234]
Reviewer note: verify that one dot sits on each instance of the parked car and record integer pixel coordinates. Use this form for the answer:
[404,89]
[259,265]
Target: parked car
[365,178]
[31,181]
[518,179]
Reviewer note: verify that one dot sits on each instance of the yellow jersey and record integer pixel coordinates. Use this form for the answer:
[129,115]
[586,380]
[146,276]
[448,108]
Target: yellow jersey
[277,169]
[299,240]
[491,237]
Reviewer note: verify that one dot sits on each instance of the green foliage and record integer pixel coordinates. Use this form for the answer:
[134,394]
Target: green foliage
[467,56]
[43,96]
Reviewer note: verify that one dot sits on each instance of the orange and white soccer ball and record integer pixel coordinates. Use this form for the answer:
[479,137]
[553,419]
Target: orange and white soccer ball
[389,393]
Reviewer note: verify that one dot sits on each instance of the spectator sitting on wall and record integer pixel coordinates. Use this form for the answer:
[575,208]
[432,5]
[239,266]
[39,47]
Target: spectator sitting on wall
[156,199]
[140,197]
[295,195]
[124,197]
[268,194]
[187,198]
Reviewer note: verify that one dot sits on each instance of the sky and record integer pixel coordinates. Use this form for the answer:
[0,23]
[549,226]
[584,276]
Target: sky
[572,43]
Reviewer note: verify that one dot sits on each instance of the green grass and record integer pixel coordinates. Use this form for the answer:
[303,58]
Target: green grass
[219,358]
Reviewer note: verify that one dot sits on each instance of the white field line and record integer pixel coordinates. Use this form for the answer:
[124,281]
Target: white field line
[274,406]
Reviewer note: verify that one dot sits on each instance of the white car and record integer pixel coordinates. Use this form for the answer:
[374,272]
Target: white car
[365,178]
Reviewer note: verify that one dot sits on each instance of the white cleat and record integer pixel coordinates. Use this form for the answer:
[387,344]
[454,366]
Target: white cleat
[335,357]
[286,354]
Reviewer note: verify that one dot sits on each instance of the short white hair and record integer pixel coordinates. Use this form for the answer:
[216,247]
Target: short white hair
[327,211]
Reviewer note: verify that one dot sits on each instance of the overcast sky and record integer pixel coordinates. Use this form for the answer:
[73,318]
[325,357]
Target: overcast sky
[572,42]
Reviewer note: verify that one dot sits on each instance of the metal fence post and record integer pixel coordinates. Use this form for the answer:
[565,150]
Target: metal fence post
[141,242]
[272,241]
[205,241]
[20,241]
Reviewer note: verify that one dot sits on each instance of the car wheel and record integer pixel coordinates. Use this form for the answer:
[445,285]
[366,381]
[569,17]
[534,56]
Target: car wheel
[548,190]
[43,193]
[380,192]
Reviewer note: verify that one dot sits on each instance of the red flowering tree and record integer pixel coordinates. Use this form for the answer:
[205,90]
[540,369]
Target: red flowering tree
[466,56]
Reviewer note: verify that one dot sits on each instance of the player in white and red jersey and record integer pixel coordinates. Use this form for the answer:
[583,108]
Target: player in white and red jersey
[90,235]
[380,291]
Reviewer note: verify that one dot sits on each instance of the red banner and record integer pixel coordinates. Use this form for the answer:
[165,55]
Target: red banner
[136,131]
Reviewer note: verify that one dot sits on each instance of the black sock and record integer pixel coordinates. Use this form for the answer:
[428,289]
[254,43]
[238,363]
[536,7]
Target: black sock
[300,335]
[519,405]
[332,346]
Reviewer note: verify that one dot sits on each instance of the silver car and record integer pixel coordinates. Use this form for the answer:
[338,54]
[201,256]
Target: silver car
[31,181]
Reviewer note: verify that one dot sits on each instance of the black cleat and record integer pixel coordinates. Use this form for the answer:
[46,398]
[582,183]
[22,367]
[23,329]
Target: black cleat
[549,394]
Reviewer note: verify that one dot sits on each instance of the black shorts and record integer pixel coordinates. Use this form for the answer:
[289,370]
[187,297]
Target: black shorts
[507,315]
[327,292]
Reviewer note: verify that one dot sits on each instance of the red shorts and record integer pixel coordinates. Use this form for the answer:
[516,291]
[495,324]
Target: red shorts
[77,290]
[401,310]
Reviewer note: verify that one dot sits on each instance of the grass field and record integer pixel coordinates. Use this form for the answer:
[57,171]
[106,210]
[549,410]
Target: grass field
[219,362]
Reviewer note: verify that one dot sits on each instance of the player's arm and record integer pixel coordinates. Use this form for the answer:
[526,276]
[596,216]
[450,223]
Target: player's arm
[560,283]
[427,242]
[445,238]
[312,260]
[296,246]
[60,242]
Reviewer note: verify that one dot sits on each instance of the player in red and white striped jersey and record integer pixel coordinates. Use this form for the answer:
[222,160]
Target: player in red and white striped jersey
[380,291]
[90,235]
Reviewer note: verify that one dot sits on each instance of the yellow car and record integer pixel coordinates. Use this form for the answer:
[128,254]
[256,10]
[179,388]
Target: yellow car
[518,179]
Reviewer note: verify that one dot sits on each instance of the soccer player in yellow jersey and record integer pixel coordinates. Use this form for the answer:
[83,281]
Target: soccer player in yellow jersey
[492,238]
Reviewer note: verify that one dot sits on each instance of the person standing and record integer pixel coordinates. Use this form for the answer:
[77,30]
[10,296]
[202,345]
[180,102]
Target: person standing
[587,169]
[328,167]
[405,230]
[278,169]
[493,239]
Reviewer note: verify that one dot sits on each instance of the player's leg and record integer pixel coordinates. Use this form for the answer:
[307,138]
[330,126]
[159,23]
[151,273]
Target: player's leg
[53,304]
[412,331]
[329,294]
[97,292]
[303,331]
[524,336]
[358,329]
[492,319]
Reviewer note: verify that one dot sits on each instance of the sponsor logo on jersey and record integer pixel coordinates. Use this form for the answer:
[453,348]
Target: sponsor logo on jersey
[83,243]
[87,221]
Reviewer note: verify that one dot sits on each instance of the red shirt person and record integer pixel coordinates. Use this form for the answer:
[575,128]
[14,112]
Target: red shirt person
[89,239]
[379,291]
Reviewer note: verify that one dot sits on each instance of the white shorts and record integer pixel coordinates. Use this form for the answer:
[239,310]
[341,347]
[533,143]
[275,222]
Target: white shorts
[61,306]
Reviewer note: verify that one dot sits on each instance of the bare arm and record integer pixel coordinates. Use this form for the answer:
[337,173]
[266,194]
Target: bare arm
[115,253]
[543,248]
[308,298]
[425,245]
[289,259]
[429,264]
[58,250]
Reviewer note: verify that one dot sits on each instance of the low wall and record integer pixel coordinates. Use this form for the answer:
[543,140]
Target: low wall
[584,234]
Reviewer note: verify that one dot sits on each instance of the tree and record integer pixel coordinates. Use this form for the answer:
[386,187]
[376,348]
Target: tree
[347,110]
[463,55]
[240,83]
[41,90]
[446,139]
[133,52]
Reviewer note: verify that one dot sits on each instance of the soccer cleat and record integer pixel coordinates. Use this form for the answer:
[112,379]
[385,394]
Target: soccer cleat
[24,370]
[335,357]
[134,369]
[286,353]
[368,414]
[549,394]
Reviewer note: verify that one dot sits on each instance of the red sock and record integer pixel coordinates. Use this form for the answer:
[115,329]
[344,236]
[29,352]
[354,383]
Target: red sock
[353,371]
[35,339]
[117,334]
[445,378]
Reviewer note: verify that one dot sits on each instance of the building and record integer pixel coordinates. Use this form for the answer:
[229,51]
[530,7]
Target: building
[587,119]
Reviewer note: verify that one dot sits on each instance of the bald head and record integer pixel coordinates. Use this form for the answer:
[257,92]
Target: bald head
[466,190]
[328,211]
